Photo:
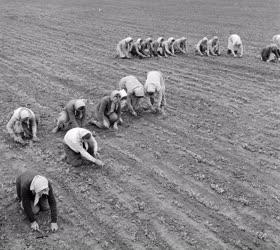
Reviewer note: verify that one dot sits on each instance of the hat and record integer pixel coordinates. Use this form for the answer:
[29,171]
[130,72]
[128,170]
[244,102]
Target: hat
[139,91]
[79,103]
[24,113]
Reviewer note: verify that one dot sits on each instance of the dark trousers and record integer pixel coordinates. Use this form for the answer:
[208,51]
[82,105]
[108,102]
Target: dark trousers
[75,159]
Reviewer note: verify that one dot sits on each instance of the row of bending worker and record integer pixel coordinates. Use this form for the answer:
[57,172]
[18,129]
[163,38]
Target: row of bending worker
[207,47]
[107,113]
[128,48]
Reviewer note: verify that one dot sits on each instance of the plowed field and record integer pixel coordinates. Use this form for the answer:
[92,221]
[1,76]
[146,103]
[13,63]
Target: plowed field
[205,177]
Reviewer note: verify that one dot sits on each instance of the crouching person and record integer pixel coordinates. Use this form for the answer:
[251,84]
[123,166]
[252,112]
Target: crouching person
[155,91]
[73,115]
[134,90]
[35,194]
[81,148]
[107,113]
[23,125]
[270,53]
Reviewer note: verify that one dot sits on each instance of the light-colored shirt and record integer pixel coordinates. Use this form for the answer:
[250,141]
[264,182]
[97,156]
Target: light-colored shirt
[73,139]
[154,82]
[129,83]
[14,124]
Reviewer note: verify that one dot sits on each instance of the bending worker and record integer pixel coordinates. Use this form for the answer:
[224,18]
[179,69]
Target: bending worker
[134,90]
[35,194]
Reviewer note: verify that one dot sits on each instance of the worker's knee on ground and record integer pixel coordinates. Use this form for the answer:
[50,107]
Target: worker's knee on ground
[76,163]
[113,117]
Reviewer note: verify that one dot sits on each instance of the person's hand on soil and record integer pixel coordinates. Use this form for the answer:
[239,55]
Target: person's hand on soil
[20,140]
[35,226]
[99,163]
[35,139]
[54,227]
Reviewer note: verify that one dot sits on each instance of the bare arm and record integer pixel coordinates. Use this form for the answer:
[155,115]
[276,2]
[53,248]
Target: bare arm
[10,126]
[129,104]
[86,155]
[184,47]
[198,48]
[167,51]
[218,49]
[127,50]
[172,50]
[179,48]
[210,48]
[34,127]
[231,47]
[158,99]
[242,50]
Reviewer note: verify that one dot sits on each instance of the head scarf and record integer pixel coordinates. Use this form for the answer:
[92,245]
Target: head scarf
[128,39]
[160,39]
[38,184]
[139,91]
[113,94]
[79,103]
[171,39]
[151,88]
[123,94]
[24,113]
[204,39]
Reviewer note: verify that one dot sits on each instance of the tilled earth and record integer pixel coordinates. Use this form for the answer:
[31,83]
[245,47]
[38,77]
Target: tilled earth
[204,177]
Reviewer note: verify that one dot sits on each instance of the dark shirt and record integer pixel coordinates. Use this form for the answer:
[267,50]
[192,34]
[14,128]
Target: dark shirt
[104,107]
[25,195]
[70,109]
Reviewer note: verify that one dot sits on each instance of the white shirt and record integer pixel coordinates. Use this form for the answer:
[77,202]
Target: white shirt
[153,82]
[73,139]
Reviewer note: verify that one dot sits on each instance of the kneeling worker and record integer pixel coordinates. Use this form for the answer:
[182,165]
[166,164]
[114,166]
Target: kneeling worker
[35,194]
[134,90]
[155,91]
[73,115]
[108,111]
[23,125]
[80,147]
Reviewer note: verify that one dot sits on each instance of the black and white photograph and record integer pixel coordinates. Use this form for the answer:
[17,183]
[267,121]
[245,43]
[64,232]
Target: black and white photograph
[140,125]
